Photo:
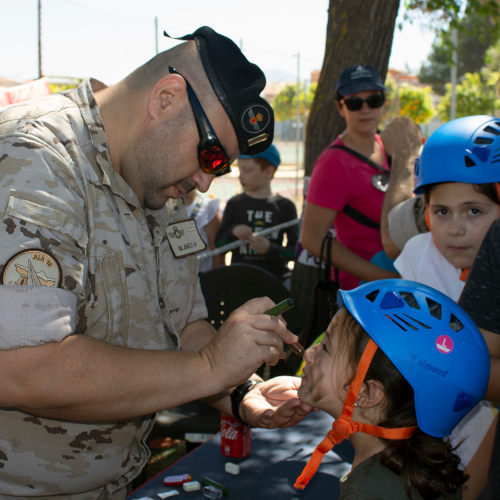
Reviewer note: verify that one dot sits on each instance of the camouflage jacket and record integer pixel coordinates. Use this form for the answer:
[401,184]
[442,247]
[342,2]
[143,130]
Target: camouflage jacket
[68,219]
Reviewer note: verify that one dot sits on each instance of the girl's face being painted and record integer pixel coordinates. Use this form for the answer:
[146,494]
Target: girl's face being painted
[460,217]
[327,373]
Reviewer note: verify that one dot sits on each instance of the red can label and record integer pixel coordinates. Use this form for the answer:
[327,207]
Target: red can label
[235,437]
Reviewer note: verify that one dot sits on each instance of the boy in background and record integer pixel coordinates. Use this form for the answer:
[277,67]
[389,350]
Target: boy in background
[255,209]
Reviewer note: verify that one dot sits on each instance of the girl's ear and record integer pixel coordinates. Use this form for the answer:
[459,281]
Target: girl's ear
[372,393]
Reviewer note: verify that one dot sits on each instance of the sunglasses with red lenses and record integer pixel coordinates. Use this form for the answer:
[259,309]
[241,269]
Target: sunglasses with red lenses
[374,101]
[212,156]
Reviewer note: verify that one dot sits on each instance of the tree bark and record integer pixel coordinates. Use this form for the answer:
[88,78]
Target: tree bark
[358,32]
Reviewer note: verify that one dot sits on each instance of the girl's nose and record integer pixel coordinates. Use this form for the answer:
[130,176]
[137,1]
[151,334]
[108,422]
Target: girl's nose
[457,225]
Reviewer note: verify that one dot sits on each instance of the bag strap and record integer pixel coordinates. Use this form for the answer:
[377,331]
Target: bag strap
[351,211]
[360,217]
[364,158]
[325,264]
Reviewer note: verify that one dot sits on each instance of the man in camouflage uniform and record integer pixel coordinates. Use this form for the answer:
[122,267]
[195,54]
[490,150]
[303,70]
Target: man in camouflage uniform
[101,314]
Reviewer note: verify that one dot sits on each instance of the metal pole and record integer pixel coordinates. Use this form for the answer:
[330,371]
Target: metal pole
[238,243]
[156,34]
[40,72]
[297,129]
[453,96]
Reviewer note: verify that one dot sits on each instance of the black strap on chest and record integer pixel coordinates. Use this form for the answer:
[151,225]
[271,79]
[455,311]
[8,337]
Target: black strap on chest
[352,212]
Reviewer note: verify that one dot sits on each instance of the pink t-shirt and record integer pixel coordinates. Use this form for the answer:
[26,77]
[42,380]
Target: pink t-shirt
[339,179]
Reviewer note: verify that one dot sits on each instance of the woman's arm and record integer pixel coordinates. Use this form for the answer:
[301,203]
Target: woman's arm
[315,224]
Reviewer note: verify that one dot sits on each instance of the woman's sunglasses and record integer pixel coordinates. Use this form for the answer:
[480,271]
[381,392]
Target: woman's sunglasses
[356,103]
[212,157]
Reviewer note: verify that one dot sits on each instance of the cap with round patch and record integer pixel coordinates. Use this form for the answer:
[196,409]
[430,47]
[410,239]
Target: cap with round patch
[238,84]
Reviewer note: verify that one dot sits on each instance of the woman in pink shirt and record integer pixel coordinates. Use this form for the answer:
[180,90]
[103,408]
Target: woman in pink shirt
[348,182]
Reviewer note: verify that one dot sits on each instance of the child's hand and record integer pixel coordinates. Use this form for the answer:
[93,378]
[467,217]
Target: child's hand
[259,244]
[242,232]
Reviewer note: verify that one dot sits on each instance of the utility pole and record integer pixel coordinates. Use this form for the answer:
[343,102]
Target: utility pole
[156,34]
[454,64]
[40,72]
[297,128]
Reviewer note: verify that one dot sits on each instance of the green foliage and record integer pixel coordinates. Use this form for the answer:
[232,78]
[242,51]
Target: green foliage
[408,100]
[475,95]
[475,34]
[416,103]
[285,103]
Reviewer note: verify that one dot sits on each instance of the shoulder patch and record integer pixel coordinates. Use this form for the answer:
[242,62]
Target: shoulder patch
[34,267]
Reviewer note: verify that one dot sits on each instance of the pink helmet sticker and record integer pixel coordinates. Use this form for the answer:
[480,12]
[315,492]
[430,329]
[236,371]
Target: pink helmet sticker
[444,344]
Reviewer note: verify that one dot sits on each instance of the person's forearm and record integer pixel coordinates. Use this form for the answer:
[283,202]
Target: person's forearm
[346,260]
[400,188]
[403,139]
[84,379]
[493,391]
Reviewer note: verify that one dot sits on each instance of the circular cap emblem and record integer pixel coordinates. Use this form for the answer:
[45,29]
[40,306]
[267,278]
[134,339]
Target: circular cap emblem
[444,344]
[33,268]
[255,118]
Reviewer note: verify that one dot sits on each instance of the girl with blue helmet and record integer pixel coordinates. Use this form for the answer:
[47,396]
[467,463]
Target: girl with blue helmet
[390,370]
[458,174]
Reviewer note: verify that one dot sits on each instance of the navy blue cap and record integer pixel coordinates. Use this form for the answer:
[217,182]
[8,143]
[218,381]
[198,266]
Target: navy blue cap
[237,84]
[358,78]
[271,154]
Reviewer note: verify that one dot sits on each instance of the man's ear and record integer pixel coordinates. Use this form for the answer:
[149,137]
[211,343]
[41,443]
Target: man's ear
[167,97]
[371,394]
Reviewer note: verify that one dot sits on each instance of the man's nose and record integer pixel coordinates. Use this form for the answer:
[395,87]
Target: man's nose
[203,180]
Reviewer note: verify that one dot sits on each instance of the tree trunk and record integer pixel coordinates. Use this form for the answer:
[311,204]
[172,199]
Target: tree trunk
[358,32]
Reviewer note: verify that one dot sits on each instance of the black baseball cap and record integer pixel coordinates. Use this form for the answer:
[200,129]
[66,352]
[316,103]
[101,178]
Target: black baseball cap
[237,84]
[358,78]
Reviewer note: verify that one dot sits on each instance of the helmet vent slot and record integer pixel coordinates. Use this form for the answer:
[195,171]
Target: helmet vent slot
[455,324]
[406,322]
[491,130]
[434,308]
[410,299]
[469,162]
[483,140]
[372,295]
[423,325]
[396,322]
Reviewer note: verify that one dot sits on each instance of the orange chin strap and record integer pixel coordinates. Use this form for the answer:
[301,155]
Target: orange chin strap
[343,427]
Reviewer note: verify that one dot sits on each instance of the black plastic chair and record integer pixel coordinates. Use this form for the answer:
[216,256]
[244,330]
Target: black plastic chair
[227,288]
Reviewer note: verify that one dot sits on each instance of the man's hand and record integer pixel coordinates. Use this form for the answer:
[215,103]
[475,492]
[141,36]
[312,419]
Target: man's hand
[274,403]
[242,232]
[248,338]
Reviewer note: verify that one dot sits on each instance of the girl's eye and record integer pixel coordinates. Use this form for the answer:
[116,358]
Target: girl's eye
[440,212]
[475,211]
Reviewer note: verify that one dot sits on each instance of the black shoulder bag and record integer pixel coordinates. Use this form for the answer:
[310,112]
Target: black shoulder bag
[324,302]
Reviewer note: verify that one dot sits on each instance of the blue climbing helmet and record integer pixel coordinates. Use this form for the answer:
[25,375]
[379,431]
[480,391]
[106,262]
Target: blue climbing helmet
[271,154]
[462,150]
[432,342]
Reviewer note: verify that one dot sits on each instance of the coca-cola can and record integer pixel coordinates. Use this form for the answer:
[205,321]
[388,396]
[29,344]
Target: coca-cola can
[235,437]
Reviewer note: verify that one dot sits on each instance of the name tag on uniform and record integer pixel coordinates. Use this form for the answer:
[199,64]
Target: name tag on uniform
[184,238]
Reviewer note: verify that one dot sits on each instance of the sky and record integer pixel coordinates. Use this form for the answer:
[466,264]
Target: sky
[107,39]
